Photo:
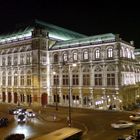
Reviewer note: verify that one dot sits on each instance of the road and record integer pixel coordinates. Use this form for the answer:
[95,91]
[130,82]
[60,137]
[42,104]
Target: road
[94,123]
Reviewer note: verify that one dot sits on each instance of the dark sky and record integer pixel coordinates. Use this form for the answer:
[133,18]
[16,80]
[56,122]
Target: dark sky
[90,17]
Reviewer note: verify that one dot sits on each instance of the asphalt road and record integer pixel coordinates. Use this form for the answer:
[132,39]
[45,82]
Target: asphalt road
[94,123]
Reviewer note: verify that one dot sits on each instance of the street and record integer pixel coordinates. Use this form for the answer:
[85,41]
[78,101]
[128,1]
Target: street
[94,123]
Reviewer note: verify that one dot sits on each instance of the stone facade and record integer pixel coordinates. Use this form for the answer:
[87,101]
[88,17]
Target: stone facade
[37,67]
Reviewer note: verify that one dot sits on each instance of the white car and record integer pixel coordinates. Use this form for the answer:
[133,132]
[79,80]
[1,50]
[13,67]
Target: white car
[122,124]
[30,113]
[126,137]
[134,117]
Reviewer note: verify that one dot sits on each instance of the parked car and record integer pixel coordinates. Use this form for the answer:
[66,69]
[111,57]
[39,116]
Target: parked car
[122,124]
[134,117]
[126,137]
[30,113]
[3,122]
[21,118]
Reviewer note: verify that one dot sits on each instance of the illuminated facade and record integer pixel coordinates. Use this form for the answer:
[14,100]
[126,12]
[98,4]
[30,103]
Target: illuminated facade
[36,67]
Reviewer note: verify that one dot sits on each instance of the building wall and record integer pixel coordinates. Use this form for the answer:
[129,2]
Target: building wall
[105,75]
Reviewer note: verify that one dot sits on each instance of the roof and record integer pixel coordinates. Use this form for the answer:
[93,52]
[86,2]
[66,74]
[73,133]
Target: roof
[55,32]
[85,41]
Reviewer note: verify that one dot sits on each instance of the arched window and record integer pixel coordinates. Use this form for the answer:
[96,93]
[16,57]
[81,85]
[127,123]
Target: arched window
[55,57]
[65,57]
[109,52]
[85,55]
[97,54]
[75,56]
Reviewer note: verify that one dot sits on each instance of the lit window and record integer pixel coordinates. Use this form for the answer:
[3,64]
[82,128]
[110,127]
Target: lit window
[110,52]
[65,57]
[85,55]
[97,54]
[75,56]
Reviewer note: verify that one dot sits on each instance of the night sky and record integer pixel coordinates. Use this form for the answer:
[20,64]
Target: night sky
[89,17]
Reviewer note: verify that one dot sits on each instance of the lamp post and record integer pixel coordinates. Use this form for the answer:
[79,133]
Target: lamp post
[69,93]
[56,96]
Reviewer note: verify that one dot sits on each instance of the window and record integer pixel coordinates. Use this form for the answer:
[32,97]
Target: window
[75,79]
[15,60]
[85,55]
[98,79]
[3,61]
[22,80]
[9,79]
[65,80]
[110,52]
[110,79]
[56,58]
[56,80]
[28,80]
[43,57]
[75,56]
[21,59]
[86,79]
[65,57]
[15,79]
[4,79]
[9,60]
[97,54]
[28,58]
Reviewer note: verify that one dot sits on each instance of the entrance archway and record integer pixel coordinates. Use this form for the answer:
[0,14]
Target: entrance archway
[44,99]
[9,97]
[15,97]
[3,97]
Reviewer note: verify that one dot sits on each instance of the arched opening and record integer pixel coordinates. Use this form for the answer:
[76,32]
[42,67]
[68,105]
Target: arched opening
[15,97]
[3,97]
[44,99]
[29,99]
[9,97]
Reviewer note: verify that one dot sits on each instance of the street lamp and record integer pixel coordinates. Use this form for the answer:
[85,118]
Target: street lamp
[56,96]
[69,92]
